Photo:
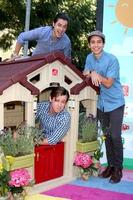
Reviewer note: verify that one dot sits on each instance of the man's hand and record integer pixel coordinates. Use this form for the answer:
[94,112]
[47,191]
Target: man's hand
[96,78]
[43,141]
[13,57]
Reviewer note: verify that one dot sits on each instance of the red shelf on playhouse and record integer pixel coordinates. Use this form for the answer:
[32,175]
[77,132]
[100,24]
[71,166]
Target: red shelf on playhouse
[49,162]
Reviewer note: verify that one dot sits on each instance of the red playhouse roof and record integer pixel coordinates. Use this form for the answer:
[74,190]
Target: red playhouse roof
[17,71]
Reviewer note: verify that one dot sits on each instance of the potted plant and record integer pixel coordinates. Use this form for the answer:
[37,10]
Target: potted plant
[88,133]
[13,184]
[18,185]
[88,165]
[18,146]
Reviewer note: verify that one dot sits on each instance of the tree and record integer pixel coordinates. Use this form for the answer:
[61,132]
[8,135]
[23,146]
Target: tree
[12,15]
[83,20]
[82,15]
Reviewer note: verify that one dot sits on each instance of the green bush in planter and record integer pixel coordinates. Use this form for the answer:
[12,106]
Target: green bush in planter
[21,141]
[88,128]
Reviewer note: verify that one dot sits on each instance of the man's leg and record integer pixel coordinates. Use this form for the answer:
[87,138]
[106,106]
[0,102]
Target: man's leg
[104,119]
[116,118]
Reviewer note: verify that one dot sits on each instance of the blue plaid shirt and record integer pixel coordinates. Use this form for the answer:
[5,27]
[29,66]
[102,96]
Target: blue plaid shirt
[45,42]
[55,125]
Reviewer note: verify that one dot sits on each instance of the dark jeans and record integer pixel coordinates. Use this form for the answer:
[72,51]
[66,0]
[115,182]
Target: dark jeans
[111,123]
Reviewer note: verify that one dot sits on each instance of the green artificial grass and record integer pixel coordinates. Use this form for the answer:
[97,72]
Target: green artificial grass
[127,163]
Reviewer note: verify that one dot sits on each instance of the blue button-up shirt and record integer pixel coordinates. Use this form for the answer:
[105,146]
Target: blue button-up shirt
[55,125]
[45,41]
[107,66]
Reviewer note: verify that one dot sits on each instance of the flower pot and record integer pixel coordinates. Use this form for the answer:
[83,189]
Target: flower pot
[85,176]
[18,196]
[87,146]
[20,162]
[5,197]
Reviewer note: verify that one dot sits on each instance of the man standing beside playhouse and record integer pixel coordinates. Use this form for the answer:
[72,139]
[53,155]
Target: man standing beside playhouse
[103,69]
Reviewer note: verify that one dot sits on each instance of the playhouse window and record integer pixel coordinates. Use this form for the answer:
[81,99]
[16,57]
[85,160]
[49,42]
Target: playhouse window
[67,80]
[14,113]
[10,106]
[35,78]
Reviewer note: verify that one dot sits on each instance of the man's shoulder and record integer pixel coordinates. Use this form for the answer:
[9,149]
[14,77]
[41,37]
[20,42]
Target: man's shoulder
[45,28]
[66,38]
[110,55]
[42,104]
[89,56]
[66,114]
[111,59]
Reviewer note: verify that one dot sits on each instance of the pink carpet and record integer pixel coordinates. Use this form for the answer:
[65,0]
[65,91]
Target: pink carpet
[75,192]
[96,189]
[127,175]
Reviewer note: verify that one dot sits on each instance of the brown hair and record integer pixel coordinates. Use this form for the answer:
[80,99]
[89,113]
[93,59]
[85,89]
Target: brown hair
[61,16]
[59,91]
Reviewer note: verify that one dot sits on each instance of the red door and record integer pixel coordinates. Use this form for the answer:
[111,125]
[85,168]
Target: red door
[49,162]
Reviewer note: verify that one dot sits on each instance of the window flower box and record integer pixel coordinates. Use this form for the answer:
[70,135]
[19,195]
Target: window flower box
[18,162]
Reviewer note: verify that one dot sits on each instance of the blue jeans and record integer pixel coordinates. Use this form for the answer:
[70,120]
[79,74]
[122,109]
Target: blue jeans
[111,124]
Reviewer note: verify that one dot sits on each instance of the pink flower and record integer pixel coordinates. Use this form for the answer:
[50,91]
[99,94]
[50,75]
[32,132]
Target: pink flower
[19,177]
[83,160]
[88,164]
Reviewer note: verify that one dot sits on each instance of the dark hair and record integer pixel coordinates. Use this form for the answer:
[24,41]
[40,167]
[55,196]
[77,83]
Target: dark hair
[59,91]
[61,16]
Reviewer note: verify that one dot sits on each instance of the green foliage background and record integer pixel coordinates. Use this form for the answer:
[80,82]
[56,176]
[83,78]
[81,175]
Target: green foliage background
[82,15]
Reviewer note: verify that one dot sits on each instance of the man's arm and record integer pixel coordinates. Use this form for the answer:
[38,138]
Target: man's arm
[23,37]
[17,50]
[97,80]
[86,73]
[58,134]
[60,131]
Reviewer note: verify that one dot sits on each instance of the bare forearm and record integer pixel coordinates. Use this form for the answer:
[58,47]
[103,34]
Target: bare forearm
[86,73]
[97,80]
[15,53]
[107,82]
[17,48]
